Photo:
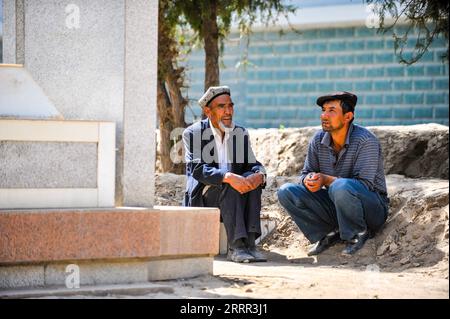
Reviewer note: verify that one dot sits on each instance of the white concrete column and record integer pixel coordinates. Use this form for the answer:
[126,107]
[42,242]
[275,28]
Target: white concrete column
[141,64]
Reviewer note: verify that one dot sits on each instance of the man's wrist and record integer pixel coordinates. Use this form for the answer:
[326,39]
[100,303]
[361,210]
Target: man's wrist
[226,177]
[328,180]
[263,177]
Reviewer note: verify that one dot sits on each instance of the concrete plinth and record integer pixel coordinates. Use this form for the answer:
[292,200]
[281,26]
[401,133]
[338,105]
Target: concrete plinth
[123,245]
[179,268]
[103,272]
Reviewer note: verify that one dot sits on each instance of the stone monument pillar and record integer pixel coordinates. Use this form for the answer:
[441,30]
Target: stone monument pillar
[77,137]
[96,60]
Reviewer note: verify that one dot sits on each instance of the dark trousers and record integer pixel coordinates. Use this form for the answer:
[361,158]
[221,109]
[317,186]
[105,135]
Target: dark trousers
[240,213]
[346,206]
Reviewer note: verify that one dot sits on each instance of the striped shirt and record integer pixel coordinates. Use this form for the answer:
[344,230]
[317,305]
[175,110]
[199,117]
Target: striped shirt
[360,158]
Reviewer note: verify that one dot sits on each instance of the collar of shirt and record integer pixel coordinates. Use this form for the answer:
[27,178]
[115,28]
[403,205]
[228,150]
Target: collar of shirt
[222,149]
[218,135]
[326,140]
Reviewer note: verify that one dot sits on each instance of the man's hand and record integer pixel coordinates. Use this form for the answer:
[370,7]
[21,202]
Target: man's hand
[315,181]
[255,180]
[239,183]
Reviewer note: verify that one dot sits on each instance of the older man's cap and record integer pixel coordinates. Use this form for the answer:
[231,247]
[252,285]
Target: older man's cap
[212,93]
[347,97]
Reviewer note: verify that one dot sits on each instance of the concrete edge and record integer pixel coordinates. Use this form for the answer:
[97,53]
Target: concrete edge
[89,274]
[102,291]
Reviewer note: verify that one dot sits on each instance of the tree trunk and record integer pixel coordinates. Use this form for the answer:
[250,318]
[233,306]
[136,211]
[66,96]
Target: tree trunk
[165,127]
[170,102]
[211,35]
[174,84]
[171,106]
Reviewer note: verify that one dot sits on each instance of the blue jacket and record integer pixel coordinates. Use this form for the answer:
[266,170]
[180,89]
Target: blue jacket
[202,167]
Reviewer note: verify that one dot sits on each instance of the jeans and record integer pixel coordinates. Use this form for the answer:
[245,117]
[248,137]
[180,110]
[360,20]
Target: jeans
[347,205]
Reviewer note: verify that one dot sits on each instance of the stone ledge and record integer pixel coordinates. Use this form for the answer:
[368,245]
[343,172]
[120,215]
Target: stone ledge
[57,235]
[36,236]
[101,291]
[110,246]
[187,231]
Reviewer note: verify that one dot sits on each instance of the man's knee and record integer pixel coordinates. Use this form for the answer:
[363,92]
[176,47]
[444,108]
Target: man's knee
[284,192]
[229,192]
[255,193]
[341,189]
[290,192]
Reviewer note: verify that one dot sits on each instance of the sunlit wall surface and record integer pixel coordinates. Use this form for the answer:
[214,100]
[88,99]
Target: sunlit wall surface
[287,73]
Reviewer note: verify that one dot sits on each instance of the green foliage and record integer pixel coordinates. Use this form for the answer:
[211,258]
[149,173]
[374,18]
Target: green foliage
[426,20]
[245,11]
[185,18]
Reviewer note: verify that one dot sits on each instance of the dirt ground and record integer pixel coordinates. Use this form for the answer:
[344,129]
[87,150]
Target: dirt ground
[407,259]
[298,278]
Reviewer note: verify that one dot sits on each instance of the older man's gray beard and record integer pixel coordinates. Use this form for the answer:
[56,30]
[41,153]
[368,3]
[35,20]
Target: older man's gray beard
[225,128]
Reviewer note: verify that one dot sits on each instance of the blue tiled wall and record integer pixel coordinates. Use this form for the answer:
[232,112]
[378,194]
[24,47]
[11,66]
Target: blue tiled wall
[287,73]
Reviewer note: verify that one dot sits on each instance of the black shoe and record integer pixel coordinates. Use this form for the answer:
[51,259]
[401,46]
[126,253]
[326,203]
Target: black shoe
[239,255]
[258,255]
[356,243]
[325,243]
